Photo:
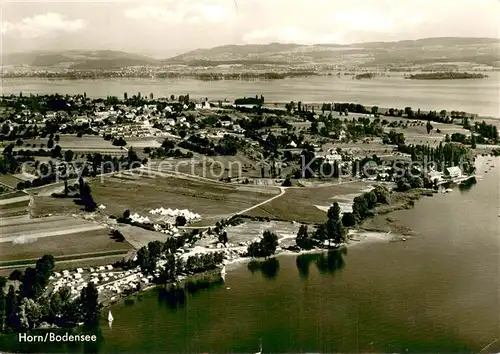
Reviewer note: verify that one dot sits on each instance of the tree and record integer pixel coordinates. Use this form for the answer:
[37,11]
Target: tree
[223,237]
[360,207]
[473,144]
[442,114]
[303,240]
[335,231]
[169,270]
[382,194]
[371,199]
[154,249]
[90,304]
[409,112]
[403,185]
[428,126]
[50,144]
[126,214]
[314,128]
[56,152]
[87,199]
[2,310]
[3,282]
[334,211]
[56,138]
[5,128]
[182,134]
[265,247]
[144,260]
[68,155]
[11,310]
[374,110]
[44,268]
[30,313]
[180,220]
[16,275]
[269,242]
[417,182]
[31,286]
[348,219]
[287,182]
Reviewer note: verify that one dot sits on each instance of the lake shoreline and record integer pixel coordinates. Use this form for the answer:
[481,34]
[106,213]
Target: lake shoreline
[377,228]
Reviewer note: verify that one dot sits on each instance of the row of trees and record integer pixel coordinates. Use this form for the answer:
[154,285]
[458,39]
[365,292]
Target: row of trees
[265,247]
[228,145]
[149,256]
[444,155]
[332,230]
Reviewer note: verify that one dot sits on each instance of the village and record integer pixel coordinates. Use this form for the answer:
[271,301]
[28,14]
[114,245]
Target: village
[142,191]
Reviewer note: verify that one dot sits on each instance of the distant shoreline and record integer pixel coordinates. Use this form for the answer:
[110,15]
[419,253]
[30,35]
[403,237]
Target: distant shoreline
[446,76]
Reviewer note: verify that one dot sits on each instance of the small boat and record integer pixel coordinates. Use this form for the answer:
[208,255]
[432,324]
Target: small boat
[448,190]
[110,317]
[260,351]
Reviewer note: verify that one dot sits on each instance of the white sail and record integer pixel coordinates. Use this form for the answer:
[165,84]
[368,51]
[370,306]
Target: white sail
[223,271]
[110,317]
[260,352]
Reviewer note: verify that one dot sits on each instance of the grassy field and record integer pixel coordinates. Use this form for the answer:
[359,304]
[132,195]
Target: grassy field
[301,204]
[23,239]
[44,205]
[13,206]
[209,199]
[70,141]
[9,180]
[64,245]
[12,195]
[214,167]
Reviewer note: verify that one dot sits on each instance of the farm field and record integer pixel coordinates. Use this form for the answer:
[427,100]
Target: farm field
[44,205]
[63,245]
[23,239]
[142,193]
[142,142]
[214,167]
[17,204]
[71,141]
[309,204]
[13,194]
[9,180]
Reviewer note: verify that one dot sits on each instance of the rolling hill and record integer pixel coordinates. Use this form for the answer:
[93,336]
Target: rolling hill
[425,51]
[421,51]
[100,59]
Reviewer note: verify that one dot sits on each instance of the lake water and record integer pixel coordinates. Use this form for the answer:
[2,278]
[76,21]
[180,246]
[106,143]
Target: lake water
[437,292]
[475,96]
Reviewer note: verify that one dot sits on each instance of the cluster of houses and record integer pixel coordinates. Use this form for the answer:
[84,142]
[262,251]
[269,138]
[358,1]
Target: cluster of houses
[107,281]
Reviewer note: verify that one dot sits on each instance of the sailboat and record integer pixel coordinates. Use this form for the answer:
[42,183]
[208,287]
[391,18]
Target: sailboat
[110,317]
[223,273]
[260,351]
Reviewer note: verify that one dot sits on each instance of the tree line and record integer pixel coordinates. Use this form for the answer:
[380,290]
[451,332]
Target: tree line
[31,305]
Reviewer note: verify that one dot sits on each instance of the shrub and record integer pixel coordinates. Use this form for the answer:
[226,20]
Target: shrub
[348,219]
[180,220]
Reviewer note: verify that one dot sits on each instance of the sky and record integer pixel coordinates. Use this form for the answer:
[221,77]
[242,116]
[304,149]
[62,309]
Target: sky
[164,28]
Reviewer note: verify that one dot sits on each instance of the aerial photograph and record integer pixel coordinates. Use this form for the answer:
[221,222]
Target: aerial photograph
[250,176]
